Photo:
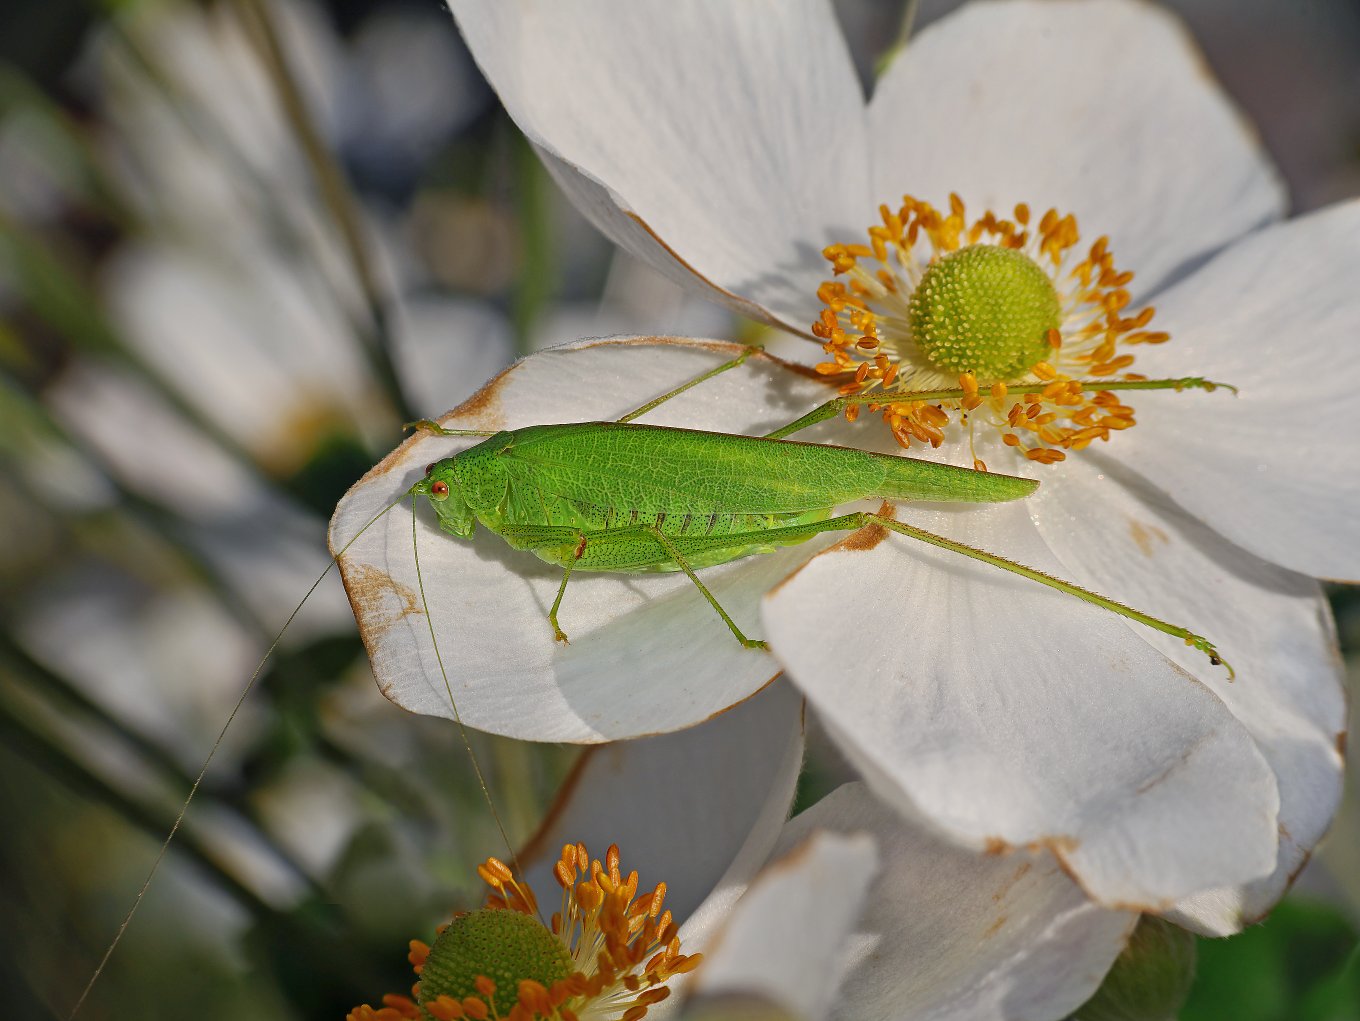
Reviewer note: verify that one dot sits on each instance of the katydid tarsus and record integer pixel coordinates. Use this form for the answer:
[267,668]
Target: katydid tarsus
[630,498]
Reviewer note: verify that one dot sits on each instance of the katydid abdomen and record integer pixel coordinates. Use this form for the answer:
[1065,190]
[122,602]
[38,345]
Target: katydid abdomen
[715,497]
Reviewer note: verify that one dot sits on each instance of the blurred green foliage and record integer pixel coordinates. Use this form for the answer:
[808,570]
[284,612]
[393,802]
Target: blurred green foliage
[1301,964]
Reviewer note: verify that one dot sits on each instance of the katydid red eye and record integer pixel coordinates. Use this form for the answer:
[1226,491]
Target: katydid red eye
[439,489]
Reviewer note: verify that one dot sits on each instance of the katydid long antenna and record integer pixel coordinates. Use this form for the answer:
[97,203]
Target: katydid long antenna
[231,717]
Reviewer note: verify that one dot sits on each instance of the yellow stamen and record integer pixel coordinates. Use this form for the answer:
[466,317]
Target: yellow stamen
[866,327]
[621,947]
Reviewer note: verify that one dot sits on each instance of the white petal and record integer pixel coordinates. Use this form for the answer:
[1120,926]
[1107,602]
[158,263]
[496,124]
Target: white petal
[1115,533]
[787,934]
[648,654]
[1012,715]
[696,810]
[1277,469]
[723,143]
[954,935]
[1105,110]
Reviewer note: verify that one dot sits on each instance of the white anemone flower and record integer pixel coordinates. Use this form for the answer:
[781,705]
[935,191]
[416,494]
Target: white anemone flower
[730,145]
[844,912]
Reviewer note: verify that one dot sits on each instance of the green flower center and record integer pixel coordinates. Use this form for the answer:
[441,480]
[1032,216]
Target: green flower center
[984,309]
[504,946]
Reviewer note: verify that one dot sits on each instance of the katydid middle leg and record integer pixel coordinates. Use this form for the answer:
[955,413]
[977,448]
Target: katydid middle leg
[542,537]
[857,520]
[679,558]
[535,537]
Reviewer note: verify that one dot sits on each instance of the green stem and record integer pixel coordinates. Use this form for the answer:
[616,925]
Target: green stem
[335,194]
[536,281]
[276,219]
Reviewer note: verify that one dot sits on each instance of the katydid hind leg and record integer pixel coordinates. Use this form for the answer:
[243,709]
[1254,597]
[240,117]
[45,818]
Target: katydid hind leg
[856,520]
[679,558]
[1191,639]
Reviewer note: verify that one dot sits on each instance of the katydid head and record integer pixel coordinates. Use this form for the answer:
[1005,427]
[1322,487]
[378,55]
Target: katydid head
[446,497]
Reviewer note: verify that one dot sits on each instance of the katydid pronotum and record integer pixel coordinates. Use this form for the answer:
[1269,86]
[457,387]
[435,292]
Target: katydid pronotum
[624,497]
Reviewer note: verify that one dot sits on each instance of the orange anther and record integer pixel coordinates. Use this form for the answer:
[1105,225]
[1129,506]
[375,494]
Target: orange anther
[444,1008]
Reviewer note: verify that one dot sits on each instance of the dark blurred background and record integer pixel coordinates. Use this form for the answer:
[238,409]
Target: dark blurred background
[240,243]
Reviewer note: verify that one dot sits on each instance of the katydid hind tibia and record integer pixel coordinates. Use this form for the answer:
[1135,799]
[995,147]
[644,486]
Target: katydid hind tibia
[629,498]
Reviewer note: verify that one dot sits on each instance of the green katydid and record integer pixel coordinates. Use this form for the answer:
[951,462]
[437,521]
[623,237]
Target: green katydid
[631,498]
